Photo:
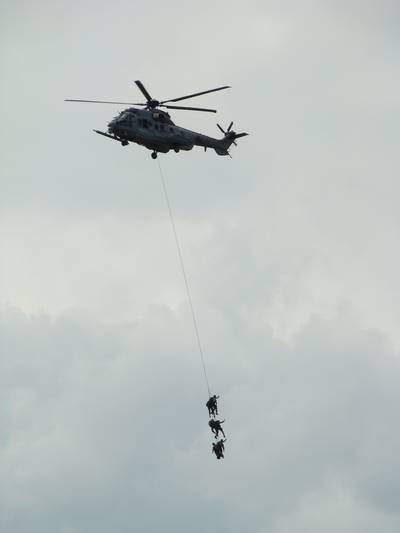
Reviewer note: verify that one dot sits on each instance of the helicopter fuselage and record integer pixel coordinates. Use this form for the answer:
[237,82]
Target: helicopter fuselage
[155,130]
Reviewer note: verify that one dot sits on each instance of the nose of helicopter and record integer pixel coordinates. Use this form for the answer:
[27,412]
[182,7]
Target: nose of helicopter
[112,126]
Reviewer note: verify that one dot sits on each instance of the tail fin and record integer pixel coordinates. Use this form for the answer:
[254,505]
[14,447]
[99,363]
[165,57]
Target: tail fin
[230,137]
[222,151]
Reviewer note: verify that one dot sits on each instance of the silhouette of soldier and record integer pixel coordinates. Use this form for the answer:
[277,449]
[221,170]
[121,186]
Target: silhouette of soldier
[219,448]
[216,427]
[212,405]
[216,451]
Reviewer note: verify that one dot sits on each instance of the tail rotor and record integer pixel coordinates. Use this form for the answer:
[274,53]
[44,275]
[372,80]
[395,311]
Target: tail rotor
[230,134]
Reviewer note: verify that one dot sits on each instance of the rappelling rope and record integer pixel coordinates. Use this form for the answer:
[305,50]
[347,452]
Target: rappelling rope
[178,248]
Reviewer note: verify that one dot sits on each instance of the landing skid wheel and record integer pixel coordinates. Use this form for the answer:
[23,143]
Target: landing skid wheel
[154,155]
[124,142]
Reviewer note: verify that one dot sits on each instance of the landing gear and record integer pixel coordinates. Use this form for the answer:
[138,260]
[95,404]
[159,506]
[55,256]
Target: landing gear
[176,150]
[154,155]
[124,142]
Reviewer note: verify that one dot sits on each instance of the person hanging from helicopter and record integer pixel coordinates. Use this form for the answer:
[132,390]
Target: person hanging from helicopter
[212,406]
[218,449]
[215,451]
[216,427]
[221,446]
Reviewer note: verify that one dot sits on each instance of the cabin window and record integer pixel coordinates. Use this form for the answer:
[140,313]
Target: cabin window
[156,126]
[171,130]
[162,127]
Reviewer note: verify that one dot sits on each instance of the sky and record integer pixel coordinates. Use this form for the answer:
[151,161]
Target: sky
[290,248]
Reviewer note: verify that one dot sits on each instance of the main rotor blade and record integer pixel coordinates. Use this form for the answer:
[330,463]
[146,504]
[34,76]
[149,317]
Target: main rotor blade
[102,102]
[189,108]
[143,89]
[196,94]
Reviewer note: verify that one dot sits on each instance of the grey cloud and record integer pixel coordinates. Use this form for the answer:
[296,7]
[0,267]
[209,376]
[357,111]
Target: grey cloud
[123,438]
[290,247]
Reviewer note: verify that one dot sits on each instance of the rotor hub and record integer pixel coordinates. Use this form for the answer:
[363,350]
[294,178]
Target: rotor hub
[152,104]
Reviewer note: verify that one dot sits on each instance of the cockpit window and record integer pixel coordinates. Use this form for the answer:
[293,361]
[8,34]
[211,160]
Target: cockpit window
[123,116]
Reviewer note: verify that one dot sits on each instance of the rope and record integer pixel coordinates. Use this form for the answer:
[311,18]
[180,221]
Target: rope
[178,248]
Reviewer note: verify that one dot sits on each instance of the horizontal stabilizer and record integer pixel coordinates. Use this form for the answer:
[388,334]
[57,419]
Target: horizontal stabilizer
[238,135]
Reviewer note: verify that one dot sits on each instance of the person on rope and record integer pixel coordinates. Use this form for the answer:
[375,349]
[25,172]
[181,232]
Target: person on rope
[217,451]
[219,448]
[216,427]
[212,406]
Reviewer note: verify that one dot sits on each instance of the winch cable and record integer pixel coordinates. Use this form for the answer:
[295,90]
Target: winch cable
[185,278]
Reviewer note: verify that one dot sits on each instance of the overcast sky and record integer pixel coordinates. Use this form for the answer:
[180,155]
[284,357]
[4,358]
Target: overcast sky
[291,249]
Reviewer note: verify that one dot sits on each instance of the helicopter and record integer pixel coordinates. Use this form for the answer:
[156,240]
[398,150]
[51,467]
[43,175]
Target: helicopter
[153,128]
